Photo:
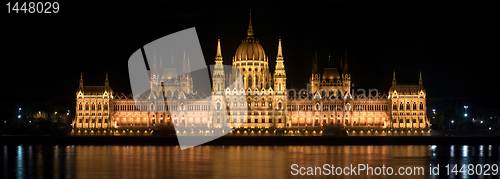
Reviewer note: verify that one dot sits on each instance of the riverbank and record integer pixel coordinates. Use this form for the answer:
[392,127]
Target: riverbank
[268,140]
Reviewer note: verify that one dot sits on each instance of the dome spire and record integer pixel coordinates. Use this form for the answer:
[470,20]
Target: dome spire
[250,29]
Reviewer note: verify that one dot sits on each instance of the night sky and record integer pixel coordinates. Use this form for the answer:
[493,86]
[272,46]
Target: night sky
[452,44]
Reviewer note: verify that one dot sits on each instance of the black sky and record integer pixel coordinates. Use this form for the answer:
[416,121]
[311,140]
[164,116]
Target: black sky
[452,44]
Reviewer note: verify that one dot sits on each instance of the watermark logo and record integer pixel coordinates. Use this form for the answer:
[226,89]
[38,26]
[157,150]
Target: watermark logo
[172,83]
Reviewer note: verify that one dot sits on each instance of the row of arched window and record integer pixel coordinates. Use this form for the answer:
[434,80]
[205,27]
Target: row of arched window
[87,120]
[99,106]
[407,121]
[408,106]
[218,120]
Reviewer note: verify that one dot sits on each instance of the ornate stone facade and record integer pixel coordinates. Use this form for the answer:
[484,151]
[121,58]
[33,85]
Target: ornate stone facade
[328,103]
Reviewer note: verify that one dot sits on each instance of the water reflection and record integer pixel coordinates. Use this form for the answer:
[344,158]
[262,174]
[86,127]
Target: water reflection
[91,161]
[20,167]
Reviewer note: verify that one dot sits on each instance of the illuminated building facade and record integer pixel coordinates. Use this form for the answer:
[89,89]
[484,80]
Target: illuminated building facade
[329,101]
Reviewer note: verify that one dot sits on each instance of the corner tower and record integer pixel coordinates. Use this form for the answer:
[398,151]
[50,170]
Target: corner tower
[280,97]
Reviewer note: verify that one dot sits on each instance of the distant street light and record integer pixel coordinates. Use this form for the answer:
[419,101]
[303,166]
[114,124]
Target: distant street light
[465,108]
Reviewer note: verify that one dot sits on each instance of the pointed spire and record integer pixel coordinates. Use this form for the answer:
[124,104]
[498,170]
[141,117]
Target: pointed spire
[345,56]
[161,66]
[280,53]
[188,65]
[420,81]
[279,72]
[345,68]
[154,70]
[106,83]
[81,81]
[394,77]
[219,52]
[172,60]
[315,63]
[184,63]
[250,29]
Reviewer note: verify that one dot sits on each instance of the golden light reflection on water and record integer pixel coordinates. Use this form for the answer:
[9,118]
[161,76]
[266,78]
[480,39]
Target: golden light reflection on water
[90,161]
[233,161]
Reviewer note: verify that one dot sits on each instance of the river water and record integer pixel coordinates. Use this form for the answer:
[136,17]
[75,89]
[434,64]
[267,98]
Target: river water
[102,161]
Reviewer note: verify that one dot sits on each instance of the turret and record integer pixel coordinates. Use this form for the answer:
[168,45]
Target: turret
[218,74]
[279,72]
[314,81]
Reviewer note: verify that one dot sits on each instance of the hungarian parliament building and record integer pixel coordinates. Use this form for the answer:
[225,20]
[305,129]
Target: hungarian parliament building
[262,102]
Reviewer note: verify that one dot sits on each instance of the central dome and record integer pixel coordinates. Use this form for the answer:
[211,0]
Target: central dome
[250,49]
